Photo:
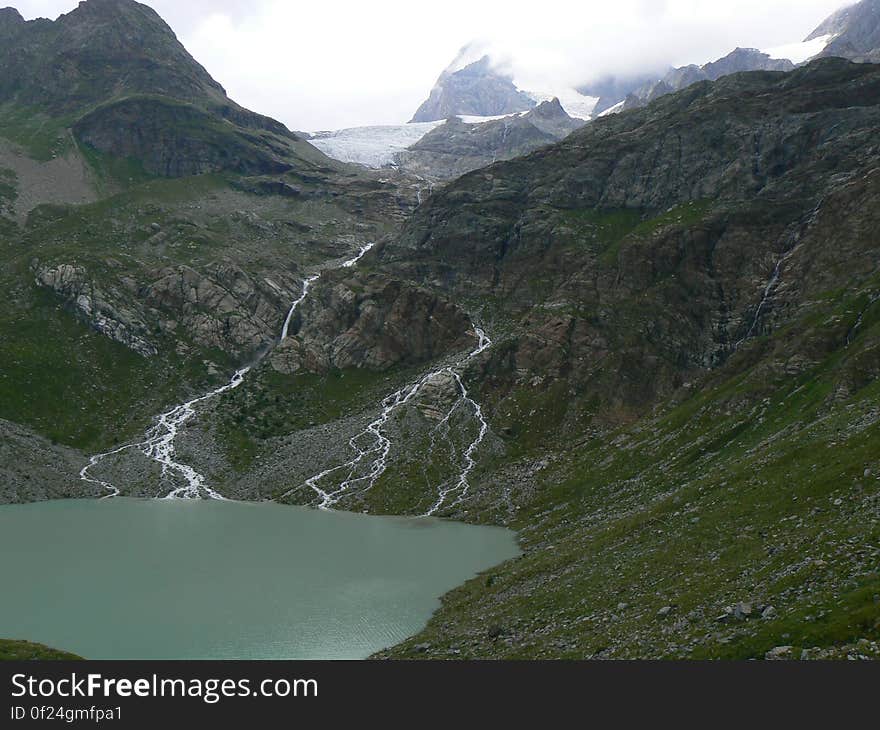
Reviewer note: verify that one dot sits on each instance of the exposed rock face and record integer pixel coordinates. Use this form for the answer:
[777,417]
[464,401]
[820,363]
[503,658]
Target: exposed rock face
[475,90]
[224,307]
[370,322]
[106,313]
[642,248]
[551,119]
[855,31]
[745,59]
[738,61]
[455,148]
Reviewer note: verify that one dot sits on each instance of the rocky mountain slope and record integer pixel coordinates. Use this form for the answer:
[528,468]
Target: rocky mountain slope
[115,74]
[454,148]
[633,217]
[738,61]
[854,32]
[706,321]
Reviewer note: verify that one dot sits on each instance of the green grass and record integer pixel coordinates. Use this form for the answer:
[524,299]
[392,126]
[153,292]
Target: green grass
[752,490]
[18,651]
[41,136]
[275,405]
[604,229]
[8,189]
[605,232]
[74,385]
[112,173]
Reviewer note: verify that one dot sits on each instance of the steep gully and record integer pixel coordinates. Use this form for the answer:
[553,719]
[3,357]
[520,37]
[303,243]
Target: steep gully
[159,441]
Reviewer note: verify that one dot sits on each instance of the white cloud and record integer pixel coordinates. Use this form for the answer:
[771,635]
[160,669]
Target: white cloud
[328,65]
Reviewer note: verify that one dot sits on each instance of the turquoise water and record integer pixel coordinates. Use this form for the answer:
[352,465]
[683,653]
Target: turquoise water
[133,579]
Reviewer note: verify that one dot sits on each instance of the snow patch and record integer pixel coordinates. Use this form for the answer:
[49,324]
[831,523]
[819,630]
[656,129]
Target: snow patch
[800,52]
[574,103]
[616,109]
[483,120]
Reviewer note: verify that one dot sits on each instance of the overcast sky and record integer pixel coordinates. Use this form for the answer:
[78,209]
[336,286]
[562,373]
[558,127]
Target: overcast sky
[326,65]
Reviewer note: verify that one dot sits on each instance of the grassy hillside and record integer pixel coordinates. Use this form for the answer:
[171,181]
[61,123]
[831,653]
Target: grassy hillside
[742,518]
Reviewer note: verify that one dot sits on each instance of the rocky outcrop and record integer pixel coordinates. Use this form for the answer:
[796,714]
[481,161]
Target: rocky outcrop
[370,322]
[551,118]
[456,148]
[105,312]
[477,89]
[224,307]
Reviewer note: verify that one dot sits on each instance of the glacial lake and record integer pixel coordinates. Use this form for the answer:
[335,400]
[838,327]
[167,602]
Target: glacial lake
[137,579]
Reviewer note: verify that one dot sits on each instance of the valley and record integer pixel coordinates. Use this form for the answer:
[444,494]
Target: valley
[647,343]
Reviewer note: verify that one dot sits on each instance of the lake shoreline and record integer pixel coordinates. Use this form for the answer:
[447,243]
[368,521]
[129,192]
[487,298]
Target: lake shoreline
[501,544]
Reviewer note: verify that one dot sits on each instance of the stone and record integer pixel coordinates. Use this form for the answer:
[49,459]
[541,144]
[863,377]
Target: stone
[110,312]
[664,612]
[779,653]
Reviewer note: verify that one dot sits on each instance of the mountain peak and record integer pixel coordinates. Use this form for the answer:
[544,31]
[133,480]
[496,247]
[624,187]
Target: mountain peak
[550,109]
[99,51]
[473,86]
[10,16]
[136,21]
[845,18]
[10,21]
[745,59]
[854,31]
